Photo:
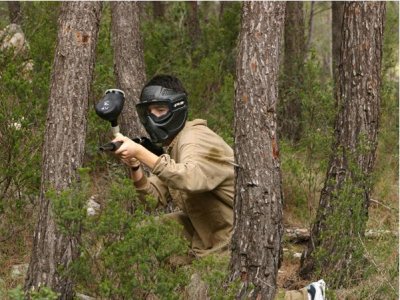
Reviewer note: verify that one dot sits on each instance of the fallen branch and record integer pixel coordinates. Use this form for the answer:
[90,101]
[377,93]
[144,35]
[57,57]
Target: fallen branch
[380,203]
[302,235]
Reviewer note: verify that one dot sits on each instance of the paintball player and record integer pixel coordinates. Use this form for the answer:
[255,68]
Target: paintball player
[196,171]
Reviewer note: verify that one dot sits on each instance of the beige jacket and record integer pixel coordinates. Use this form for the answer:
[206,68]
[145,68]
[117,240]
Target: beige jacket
[197,174]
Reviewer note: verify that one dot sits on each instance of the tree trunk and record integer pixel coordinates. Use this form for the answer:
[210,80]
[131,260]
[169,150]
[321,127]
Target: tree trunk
[293,65]
[337,22]
[129,62]
[193,23]
[158,9]
[256,242]
[333,251]
[14,11]
[64,144]
[310,26]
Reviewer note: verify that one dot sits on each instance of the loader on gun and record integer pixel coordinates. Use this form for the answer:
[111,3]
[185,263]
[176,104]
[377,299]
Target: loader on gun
[109,108]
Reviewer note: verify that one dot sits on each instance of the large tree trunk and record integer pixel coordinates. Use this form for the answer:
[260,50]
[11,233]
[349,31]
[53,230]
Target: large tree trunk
[14,11]
[256,242]
[290,116]
[64,144]
[337,23]
[333,251]
[129,62]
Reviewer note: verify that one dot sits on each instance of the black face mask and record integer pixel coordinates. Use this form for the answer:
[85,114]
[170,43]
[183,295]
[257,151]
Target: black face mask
[167,126]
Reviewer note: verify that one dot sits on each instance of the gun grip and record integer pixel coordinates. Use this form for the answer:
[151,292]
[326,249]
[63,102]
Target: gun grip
[110,146]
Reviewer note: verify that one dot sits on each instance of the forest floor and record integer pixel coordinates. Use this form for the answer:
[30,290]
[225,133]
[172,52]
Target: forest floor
[15,253]
[382,251]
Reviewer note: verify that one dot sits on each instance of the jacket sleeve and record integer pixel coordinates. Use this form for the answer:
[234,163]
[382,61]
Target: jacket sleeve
[200,169]
[153,186]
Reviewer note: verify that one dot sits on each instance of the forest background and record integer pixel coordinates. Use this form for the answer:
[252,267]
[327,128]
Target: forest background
[207,68]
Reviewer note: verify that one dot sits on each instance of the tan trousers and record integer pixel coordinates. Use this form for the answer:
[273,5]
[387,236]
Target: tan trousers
[297,295]
[194,238]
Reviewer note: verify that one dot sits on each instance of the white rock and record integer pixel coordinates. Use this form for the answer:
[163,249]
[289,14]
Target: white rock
[13,37]
[19,270]
[297,255]
[84,297]
[92,207]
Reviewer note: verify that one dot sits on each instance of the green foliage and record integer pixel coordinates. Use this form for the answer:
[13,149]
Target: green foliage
[123,255]
[346,213]
[206,71]
[214,270]
[44,293]
[390,65]
[40,27]
[304,164]
[23,102]
[69,205]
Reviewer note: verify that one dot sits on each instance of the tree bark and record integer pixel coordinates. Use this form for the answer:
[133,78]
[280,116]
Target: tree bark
[64,144]
[337,23]
[129,62]
[256,242]
[293,66]
[14,11]
[310,26]
[158,9]
[333,251]
[193,23]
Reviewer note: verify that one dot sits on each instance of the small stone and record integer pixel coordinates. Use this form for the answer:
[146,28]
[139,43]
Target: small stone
[19,270]
[197,289]
[92,207]
[297,255]
[84,297]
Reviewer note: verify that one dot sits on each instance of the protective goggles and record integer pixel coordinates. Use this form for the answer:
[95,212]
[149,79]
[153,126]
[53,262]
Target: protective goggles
[159,111]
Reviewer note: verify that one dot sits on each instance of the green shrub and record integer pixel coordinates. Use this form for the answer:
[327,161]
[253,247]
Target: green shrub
[304,165]
[123,254]
[207,72]
[214,270]
[44,293]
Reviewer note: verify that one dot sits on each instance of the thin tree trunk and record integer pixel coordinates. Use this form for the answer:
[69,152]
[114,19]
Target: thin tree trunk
[310,26]
[256,242]
[158,9]
[334,251]
[129,62]
[293,65]
[193,23]
[64,144]
[14,11]
[337,23]
[223,6]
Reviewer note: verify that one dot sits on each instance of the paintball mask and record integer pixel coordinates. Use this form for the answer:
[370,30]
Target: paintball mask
[164,127]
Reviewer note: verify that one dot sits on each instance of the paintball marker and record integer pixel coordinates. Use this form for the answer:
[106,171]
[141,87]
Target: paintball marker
[109,109]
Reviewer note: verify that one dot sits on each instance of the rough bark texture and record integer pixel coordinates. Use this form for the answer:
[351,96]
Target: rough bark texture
[256,242]
[290,116]
[14,11]
[343,210]
[193,22]
[310,26]
[129,62]
[64,144]
[158,9]
[337,22]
